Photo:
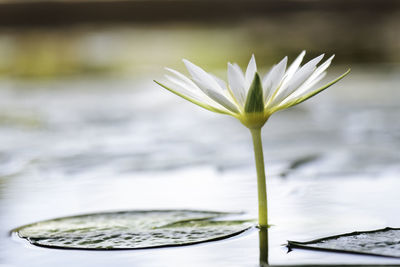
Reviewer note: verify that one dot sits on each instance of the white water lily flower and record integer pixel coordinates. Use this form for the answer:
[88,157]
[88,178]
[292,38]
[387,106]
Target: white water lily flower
[251,99]
[247,96]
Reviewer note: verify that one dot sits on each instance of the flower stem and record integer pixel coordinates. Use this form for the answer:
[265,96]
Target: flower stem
[261,185]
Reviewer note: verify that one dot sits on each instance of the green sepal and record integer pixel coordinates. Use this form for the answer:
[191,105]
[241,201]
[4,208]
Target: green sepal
[255,98]
[208,107]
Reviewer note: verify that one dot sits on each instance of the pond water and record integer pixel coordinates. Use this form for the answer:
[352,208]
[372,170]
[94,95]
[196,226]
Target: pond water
[87,145]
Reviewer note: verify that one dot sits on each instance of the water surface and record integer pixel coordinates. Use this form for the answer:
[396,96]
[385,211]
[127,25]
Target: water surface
[85,145]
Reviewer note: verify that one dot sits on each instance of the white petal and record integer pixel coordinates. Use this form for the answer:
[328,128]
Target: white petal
[239,70]
[315,77]
[237,83]
[193,93]
[217,96]
[298,79]
[225,92]
[209,86]
[250,71]
[186,86]
[303,73]
[274,77]
[319,70]
[192,97]
[314,82]
[182,77]
[293,67]
[222,100]
[220,82]
[304,90]
[198,74]
[183,83]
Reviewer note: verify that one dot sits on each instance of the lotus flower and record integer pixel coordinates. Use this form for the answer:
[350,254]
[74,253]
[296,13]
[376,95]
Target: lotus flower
[252,99]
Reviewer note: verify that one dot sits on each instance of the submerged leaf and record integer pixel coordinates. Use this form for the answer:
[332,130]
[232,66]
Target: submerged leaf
[132,229]
[383,242]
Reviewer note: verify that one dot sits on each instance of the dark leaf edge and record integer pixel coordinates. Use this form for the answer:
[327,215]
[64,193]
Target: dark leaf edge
[305,245]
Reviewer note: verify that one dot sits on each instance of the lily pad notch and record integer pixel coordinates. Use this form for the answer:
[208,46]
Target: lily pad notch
[383,242]
[126,230]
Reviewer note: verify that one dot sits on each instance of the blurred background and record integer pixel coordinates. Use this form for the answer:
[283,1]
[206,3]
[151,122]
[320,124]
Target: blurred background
[83,128]
[75,37]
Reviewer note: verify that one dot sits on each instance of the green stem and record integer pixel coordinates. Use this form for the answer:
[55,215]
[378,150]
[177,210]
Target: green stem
[261,185]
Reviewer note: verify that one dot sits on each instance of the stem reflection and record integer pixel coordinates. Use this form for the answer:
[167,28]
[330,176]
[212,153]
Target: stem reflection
[263,236]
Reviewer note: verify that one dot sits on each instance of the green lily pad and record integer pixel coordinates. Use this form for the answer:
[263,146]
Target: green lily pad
[132,229]
[382,242]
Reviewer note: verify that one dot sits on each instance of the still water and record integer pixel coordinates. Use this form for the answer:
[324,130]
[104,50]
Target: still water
[85,145]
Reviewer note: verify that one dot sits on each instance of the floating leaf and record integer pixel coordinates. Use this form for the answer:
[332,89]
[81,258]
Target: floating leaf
[382,242]
[132,229]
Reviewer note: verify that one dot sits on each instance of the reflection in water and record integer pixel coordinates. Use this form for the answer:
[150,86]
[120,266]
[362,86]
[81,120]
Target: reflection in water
[263,236]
